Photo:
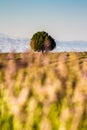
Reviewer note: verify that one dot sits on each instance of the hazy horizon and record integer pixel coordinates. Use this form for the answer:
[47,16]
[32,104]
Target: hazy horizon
[64,20]
[24,37]
[8,44]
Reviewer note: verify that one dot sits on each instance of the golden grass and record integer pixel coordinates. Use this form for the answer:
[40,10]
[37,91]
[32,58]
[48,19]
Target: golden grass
[43,92]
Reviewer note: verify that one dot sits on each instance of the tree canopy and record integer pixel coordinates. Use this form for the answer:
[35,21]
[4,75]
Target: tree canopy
[42,41]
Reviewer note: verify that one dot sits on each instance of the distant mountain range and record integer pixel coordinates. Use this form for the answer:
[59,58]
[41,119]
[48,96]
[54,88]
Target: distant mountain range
[9,43]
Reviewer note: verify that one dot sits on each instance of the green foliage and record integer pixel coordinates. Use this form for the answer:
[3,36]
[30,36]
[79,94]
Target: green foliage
[6,119]
[54,116]
[42,41]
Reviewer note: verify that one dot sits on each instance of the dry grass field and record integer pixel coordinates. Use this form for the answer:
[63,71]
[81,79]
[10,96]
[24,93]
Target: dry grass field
[43,92]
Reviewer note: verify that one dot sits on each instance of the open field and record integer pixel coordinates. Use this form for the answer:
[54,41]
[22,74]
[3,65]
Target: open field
[43,92]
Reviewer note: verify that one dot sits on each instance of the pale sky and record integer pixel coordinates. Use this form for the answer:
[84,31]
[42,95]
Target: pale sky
[65,20]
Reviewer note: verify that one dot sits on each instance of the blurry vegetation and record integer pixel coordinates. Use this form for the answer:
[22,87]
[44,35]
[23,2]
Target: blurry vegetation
[43,92]
[41,41]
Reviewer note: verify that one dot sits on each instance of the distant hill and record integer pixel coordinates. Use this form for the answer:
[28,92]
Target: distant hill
[78,46]
[9,43]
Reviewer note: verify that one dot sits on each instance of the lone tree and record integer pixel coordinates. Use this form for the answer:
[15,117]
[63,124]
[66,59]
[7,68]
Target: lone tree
[42,41]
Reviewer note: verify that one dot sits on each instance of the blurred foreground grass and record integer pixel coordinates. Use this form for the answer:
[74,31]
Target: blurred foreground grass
[43,92]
